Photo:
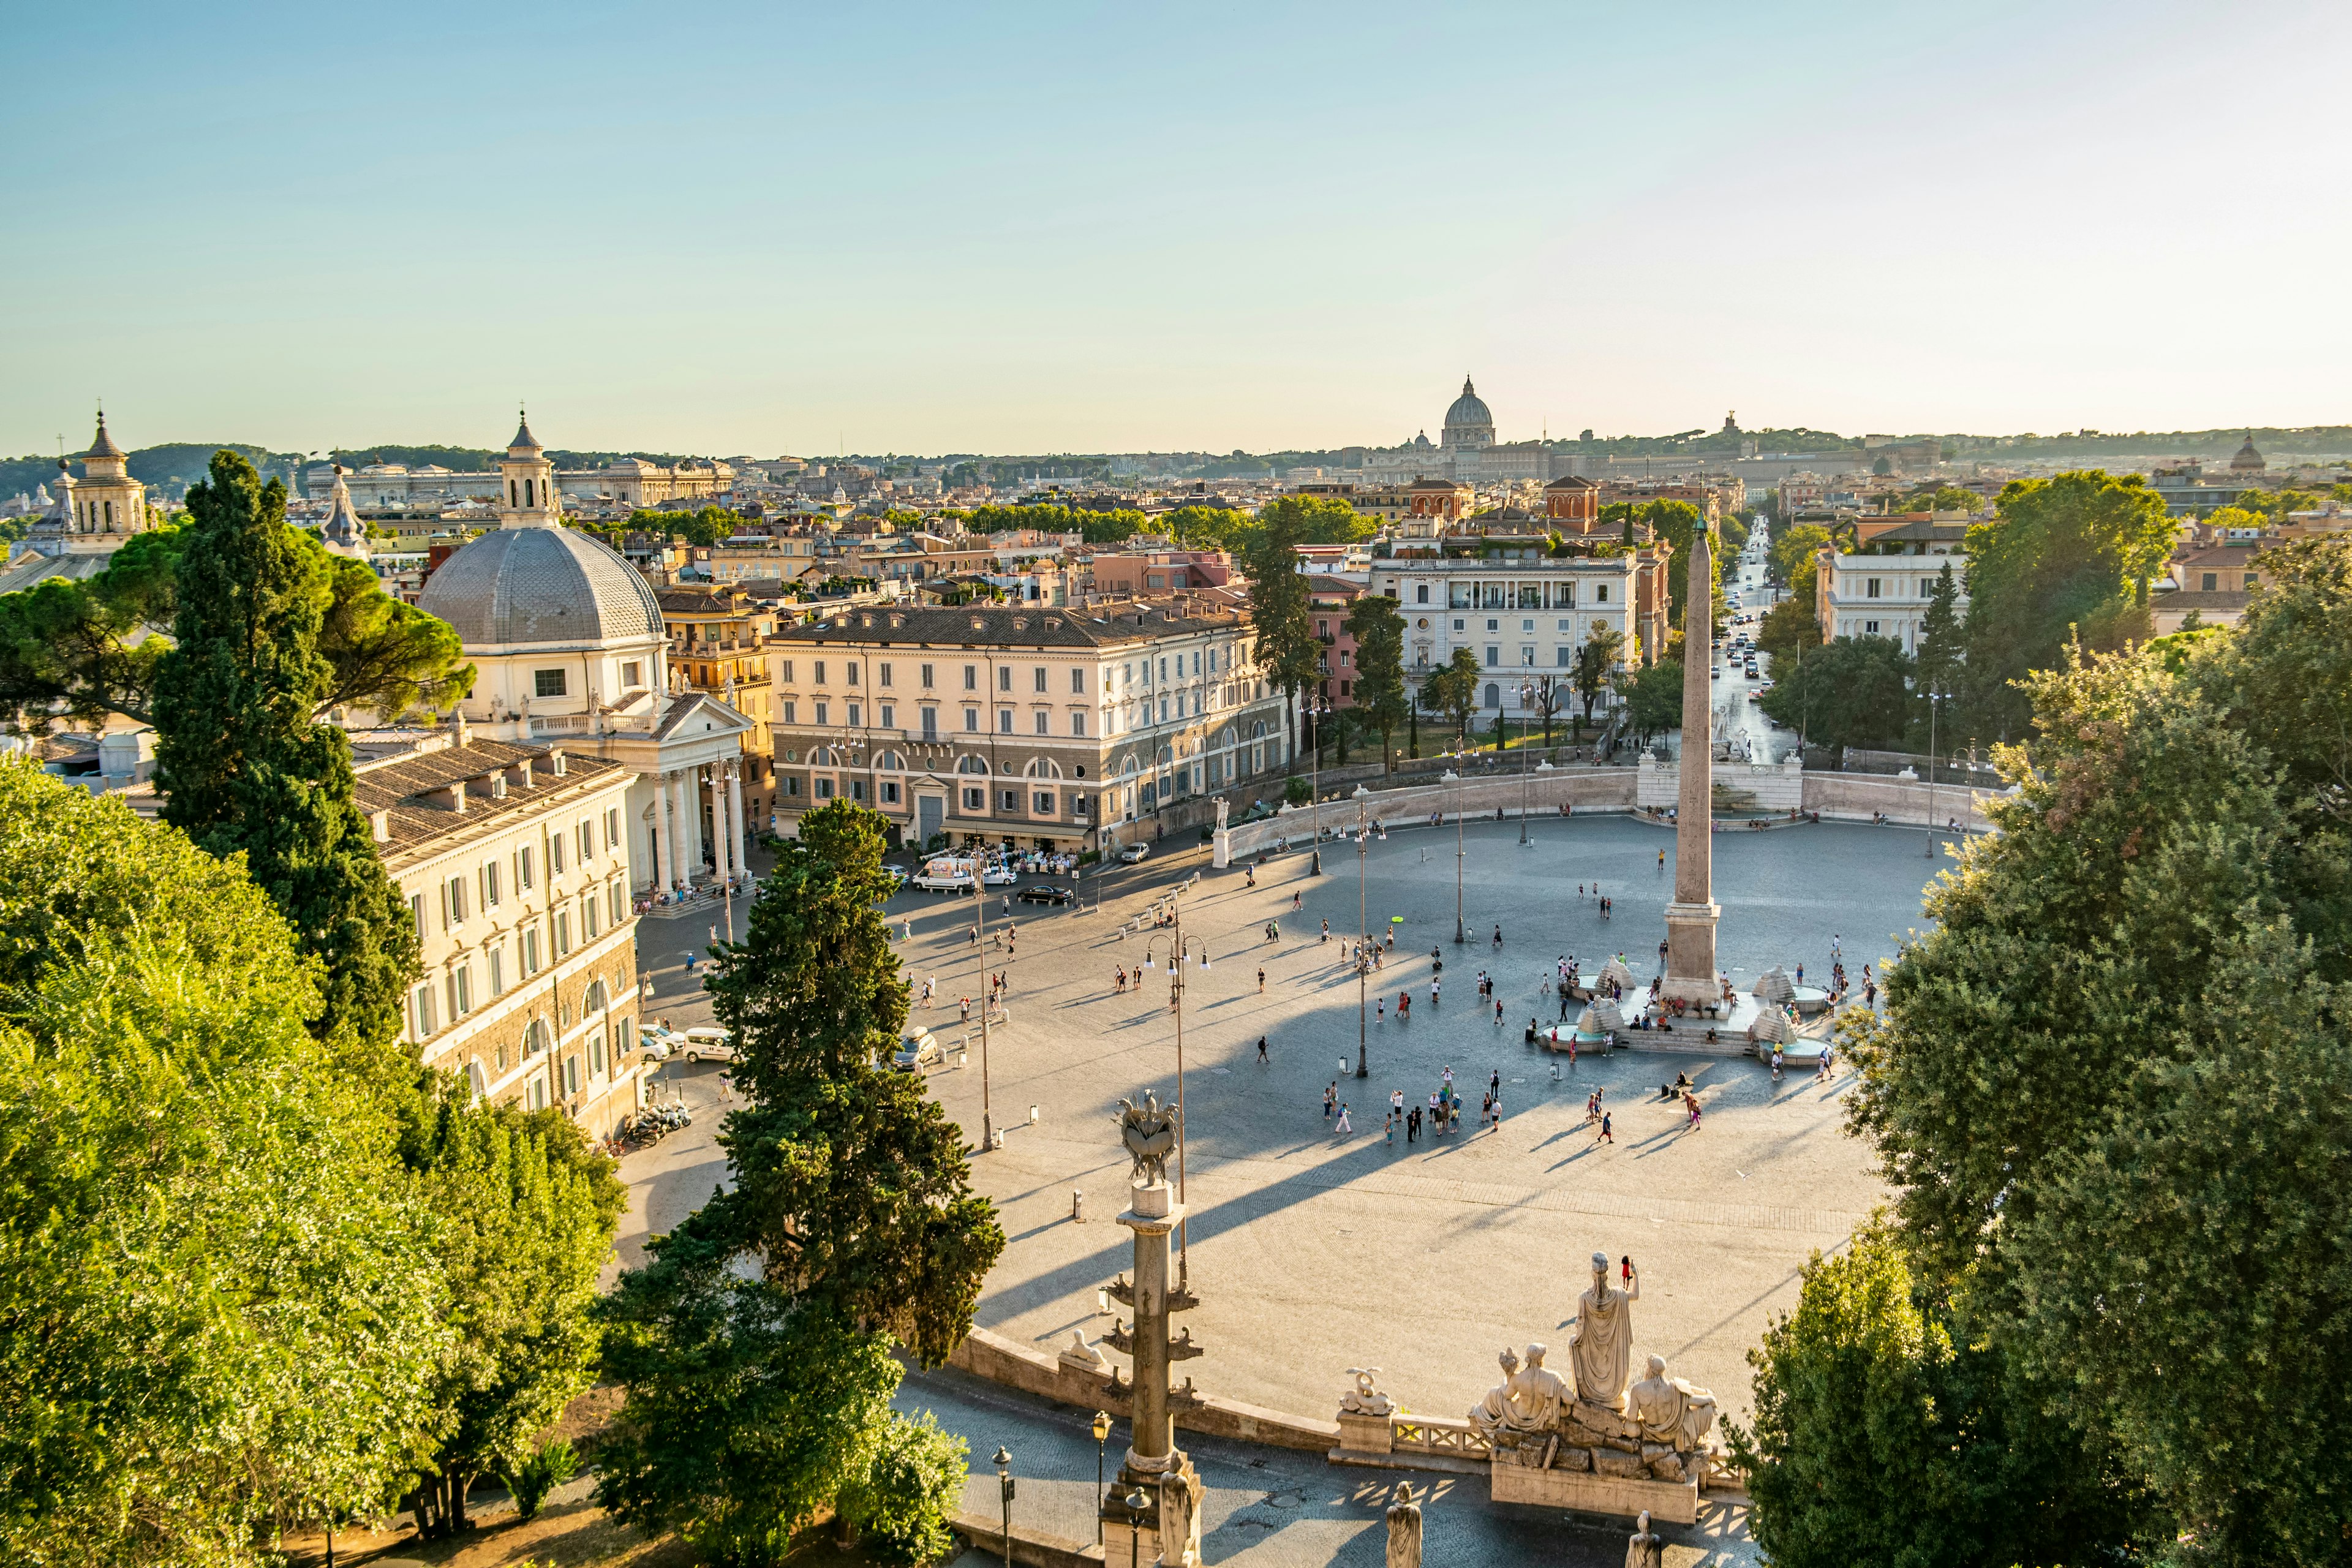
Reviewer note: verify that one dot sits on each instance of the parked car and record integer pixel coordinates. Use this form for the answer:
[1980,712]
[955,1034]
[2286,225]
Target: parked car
[708,1044]
[657,1043]
[917,1051]
[999,876]
[1043,893]
[1134,852]
[898,875]
[952,883]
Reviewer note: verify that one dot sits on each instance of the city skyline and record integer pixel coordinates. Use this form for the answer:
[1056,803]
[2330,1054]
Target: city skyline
[939,233]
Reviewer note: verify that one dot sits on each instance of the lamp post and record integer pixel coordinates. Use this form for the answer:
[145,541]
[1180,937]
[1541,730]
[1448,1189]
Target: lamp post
[1005,1490]
[979,948]
[1933,698]
[1450,776]
[1138,1506]
[1102,1436]
[1317,710]
[1363,930]
[1529,691]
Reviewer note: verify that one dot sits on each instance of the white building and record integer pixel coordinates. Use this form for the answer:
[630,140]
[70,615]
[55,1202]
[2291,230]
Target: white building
[569,648]
[1521,613]
[1886,596]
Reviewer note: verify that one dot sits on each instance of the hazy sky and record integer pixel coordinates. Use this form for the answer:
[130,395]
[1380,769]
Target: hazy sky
[760,228]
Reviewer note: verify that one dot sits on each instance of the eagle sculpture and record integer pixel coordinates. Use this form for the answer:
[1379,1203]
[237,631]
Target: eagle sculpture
[1149,1132]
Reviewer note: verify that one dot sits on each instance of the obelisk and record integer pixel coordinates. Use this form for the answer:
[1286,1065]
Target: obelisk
[1690,919]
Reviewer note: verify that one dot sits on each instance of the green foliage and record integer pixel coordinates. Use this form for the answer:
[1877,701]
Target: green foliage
[1678,522]
[1297,791]
[2064,557]
[1788,626]
[1378,631]
[710,525]
[1453,688]
[2107,1086]
[1596,663]
[1099,527]
[752,1401]
[82,650]
[911,1486]
[1940,646]
[530,1208]
[1315,519]
[1795,558]
[1853,691]
[549,1466]
[221,1311]
[1882,1435]
[1206,527]
[1654,697]
[243,767]
[1280,612]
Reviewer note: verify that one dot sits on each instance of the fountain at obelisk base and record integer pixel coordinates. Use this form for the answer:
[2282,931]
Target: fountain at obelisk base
[1171,1533]
[1690,919]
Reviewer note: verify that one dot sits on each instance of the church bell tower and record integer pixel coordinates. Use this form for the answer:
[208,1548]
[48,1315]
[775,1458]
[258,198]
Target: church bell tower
[527,496]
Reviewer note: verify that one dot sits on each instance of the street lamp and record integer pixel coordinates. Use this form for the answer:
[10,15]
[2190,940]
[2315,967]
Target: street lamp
[1318,708]
[979,949]
[1102,1436]
[1004,1490]
[1363,929]
[1450,776]
[1933,698]
[1138,1506]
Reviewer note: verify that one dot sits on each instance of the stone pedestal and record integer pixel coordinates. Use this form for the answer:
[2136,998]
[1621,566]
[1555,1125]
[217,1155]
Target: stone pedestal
[1171,1536]
[1588,1492]
[1690,952]
[1221,848]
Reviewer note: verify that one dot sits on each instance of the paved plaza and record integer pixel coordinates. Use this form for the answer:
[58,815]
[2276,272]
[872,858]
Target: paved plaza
[1319,1252]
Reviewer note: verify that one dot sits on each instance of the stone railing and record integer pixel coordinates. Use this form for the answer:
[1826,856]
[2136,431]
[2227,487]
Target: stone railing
[1420,1435]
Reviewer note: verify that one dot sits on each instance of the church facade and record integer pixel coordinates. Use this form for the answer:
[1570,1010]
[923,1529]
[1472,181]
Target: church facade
[1467,451]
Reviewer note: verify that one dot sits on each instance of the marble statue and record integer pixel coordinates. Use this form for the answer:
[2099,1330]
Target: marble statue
[1645,1548]
[1602,1351]
[1538,1392]
[1495,1414]
[1404,1529]
[1669,1410]
[1079,1353]
[1221,811]
[1150,1131]
[1365,1398]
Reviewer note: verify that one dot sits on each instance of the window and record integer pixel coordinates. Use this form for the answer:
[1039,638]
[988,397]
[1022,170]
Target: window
[497,954]
[1457,623]
[971,719]
[612,827]
[1044,718]
[461,991]
[783,670]
[1004,720]
[589,912]
[1004,678]
[624,1036]
[538,1095]
[1567,656]
[792,786]
[821,708]
[971,678]
[889,792]
[1527,655]
[931,723]
[1870,588]
[530,964]
[856,715]
[453,902]
[1077,683]
[1043,803]
[889,717]
[571,1075]
[1494,656]
[1420,592]
[1526,624]
[1077,805]
[416,911]
[555,854]
[972,801]
[563,932]
[587,840]
[596,1054]
[2253,580]
[632,673]
[1078,724]
[523,879]
[1600,593]
[2212,580]
[420,1011]
[1870,628]
[816,672]
[927,675]
[1008,800]
[1492,625]
[824,789]
[850,674]
[547,682]
[886,674]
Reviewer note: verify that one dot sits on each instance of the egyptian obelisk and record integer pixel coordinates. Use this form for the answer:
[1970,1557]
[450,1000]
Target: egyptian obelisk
[1690,919]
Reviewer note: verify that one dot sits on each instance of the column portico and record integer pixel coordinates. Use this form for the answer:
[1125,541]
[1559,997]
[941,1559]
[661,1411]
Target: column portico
[720,861]
[681,805]
[735,812]
[665,838]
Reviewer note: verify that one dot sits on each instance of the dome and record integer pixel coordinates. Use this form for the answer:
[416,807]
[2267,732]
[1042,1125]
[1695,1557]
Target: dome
[104,445]
[2247,460]
[542,585]
[1469,408]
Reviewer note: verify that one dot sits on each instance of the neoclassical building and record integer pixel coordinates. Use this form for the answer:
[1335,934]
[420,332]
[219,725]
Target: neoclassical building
[88,521]
[569,648]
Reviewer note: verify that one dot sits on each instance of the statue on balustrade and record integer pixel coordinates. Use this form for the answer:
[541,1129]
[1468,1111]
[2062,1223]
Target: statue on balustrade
[1602,1351]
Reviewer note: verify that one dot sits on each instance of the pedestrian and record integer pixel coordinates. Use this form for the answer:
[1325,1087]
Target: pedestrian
[1343,1127]
[1448,1075]
[1486,1112]
[1777,1059]
[1499,1012]
[1330,1099]
[1293,900]
[1380,1010]
[1494,1083]
[1801,975]
[1388,1128]
[1412,1125]
[1261,982]
[1606,1136]
[1261,1051]
[1327,933]
[1499,1111]
[966,1002]
[1837,945]
[1563,1004]
[1433,992]
[1498,937]
[1662,860]
[1592,1106]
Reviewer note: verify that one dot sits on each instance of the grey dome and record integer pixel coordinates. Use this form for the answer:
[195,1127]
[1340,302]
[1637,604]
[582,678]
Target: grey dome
[1469,408]
[540,585]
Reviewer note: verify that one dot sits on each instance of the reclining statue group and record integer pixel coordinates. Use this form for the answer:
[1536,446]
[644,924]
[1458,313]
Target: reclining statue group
[1649,1430]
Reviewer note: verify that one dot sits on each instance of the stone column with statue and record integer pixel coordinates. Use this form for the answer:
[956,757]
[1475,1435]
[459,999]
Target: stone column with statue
[1222,842]
[1172,1536]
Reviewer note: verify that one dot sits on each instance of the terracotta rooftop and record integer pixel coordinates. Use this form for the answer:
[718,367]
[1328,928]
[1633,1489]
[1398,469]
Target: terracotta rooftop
[412,789]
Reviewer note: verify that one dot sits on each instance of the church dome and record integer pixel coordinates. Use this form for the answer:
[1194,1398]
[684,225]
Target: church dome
[542,585]
[1469,408]
[2248,460]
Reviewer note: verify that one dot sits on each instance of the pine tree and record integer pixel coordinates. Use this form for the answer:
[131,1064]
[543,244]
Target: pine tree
[243,768]
[1378,631]
[1939,635]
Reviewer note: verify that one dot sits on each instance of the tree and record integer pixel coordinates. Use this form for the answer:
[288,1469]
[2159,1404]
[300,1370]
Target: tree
[756,1342]
[1378,631]
[1314,520]
[1547,694]
[2064,557]
[1206,527]
[1453,688]
[243,767]
[1678,522]
[78,651]
[1796,558]
[1940,648]
[1596,661]
[530,1208]
[222,1315]
[1788,626]
[1654,697]
[1854,691]
[1883,1434]
[1280,611]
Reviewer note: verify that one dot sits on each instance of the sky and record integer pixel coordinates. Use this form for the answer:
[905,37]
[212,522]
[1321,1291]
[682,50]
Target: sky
[770,228]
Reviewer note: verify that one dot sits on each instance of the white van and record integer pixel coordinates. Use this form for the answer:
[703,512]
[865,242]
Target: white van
[708,1044]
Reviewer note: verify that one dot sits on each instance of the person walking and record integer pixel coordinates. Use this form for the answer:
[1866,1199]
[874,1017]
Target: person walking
[1499,1012]
[1388,1128]
[1293,900]
[1262,1061]
[1433,992]
[1330,1099]
[1380,1010]
[1494,1083]
[966,1002]
[1396,1101]
[1327,933]
[1662,860]
[1606,1135]
[1343,1129]
[1261,982]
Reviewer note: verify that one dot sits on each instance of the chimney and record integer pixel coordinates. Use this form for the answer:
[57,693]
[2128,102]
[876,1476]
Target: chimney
[380,825]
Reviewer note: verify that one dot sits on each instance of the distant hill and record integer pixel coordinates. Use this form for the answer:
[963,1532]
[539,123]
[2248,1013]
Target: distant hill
[183,461]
